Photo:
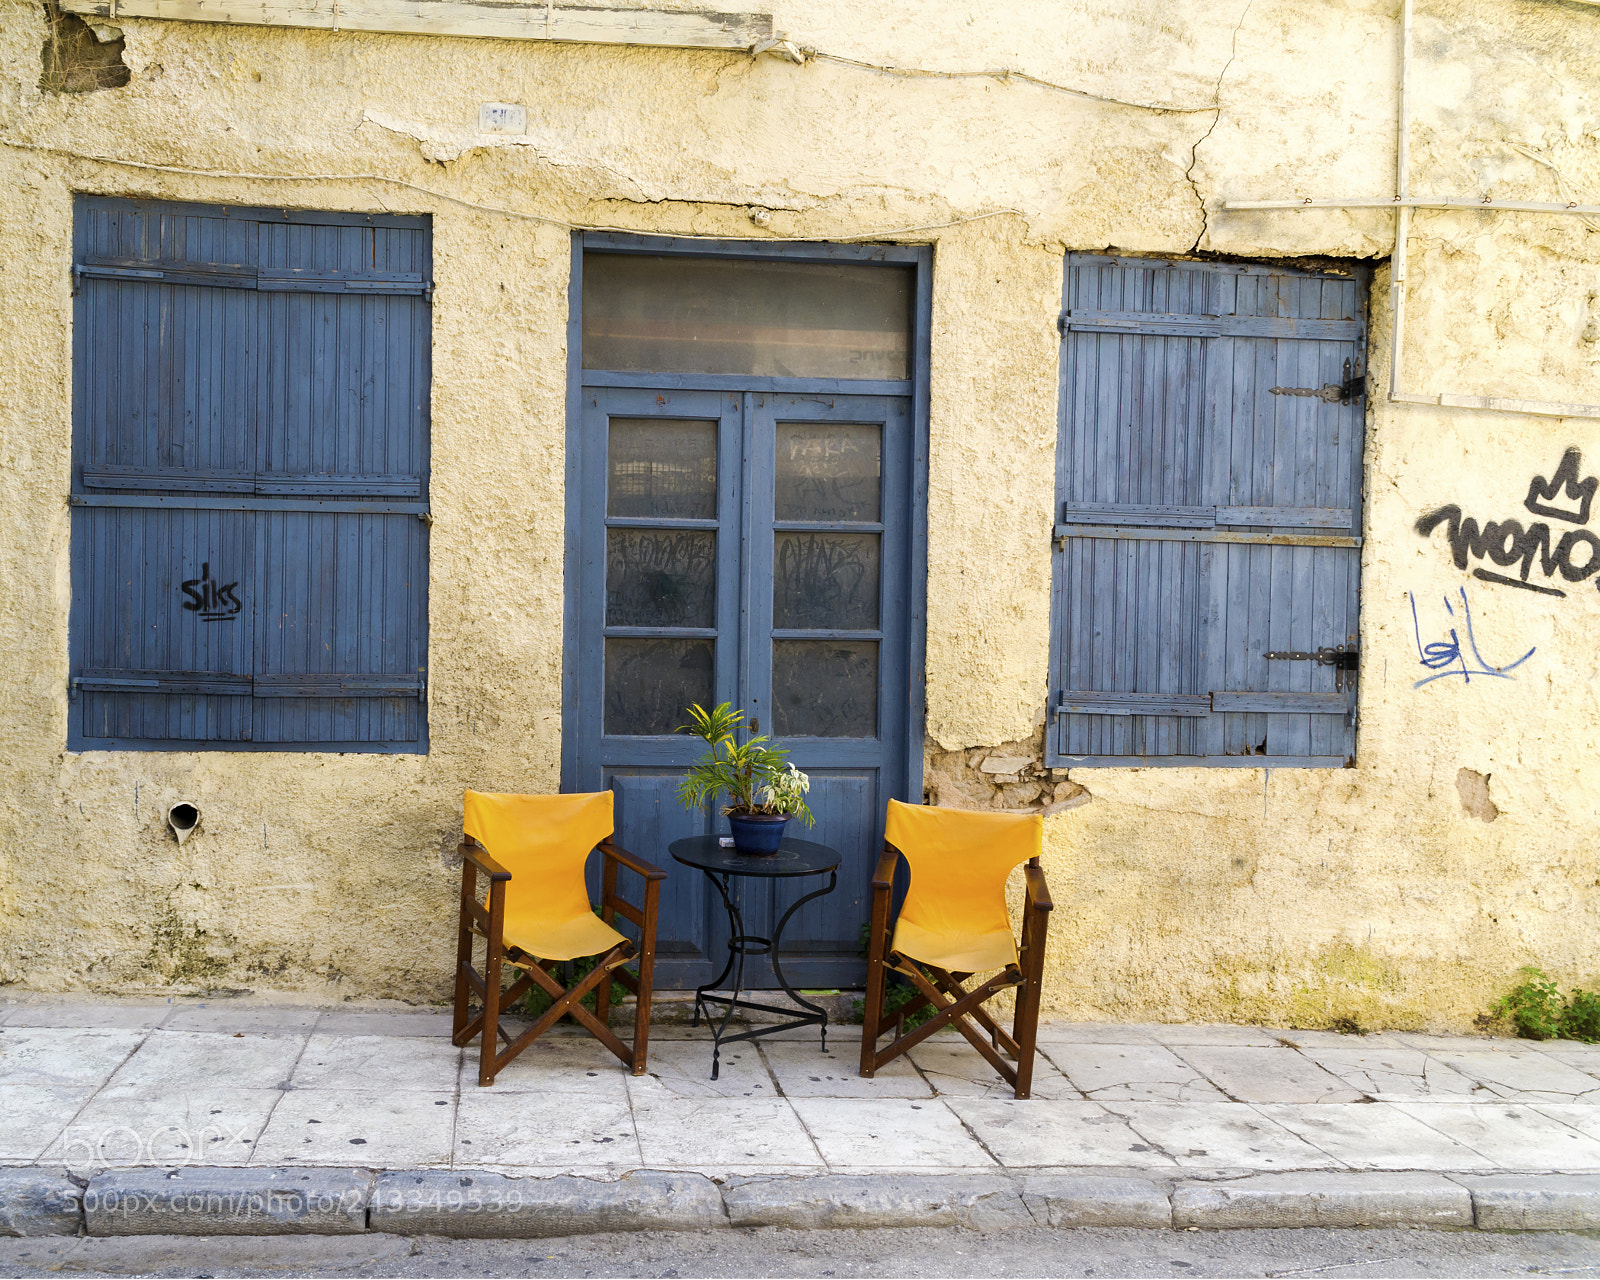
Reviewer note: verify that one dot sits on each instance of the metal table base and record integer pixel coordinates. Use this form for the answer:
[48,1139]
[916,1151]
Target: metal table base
[740,945]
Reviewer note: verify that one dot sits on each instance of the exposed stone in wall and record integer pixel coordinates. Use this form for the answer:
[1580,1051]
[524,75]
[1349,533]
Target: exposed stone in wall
[1008,778]
[1474,789]
[78,57]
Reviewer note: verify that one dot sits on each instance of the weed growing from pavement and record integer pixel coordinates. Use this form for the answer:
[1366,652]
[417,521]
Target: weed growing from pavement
[1536,1009]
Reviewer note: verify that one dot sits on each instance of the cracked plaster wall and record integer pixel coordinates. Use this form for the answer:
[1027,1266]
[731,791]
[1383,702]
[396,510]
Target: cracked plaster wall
[1367,894]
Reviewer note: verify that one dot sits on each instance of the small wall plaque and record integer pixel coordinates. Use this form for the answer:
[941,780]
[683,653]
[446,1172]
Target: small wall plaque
[502,117]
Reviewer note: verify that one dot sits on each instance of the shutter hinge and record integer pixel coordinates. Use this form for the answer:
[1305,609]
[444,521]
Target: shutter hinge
[1345,659]
[1353,387]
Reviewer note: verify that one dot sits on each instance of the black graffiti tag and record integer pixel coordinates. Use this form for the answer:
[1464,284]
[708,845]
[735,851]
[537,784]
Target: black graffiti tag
[214,602]
[1574,556]
[1541,491]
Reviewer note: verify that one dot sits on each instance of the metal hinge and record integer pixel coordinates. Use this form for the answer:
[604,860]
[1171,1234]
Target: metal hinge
[1353,386]
[1343,658]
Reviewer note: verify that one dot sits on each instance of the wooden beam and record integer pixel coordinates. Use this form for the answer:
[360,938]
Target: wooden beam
[567,23]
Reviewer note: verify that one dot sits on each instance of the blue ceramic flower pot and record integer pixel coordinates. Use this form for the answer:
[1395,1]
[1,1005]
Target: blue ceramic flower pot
[757,833]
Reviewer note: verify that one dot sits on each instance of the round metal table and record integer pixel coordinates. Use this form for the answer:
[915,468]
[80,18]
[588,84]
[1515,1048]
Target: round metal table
[720,865]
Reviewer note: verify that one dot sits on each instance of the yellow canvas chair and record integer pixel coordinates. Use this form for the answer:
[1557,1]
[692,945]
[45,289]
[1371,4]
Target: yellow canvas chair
[533,850]
[954,924]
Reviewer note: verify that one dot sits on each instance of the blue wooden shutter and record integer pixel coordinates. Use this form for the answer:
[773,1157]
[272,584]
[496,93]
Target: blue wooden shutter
[341,642]
[251,448]
[1209,488]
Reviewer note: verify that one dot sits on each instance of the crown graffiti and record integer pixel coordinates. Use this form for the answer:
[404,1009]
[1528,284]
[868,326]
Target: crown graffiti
[1542,491]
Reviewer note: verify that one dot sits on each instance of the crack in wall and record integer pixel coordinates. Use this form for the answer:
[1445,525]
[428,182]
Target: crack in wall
[1194,151]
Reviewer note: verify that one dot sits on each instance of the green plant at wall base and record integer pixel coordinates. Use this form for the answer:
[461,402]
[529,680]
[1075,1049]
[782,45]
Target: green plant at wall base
[1535,1008]
[755,778]
[897,991]
[1580,1020]
[539,1000]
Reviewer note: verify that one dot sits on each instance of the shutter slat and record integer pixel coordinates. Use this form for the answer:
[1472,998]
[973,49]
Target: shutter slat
[1287,517]
[1090,702]
[1151,323]
[1322,704]
[1128,513]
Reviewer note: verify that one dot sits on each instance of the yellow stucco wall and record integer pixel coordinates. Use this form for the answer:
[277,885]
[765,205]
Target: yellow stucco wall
[1368,894]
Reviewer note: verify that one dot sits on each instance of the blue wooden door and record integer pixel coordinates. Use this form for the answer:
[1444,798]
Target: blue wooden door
[754,548]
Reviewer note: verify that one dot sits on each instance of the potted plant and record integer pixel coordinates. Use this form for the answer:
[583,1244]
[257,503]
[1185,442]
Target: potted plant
[763,789]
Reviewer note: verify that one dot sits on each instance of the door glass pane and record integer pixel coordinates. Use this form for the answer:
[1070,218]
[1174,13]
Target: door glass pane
[721,315]
[825,688]
[650,683]
[826,580]
[661,578]
[662,467]
[829,471]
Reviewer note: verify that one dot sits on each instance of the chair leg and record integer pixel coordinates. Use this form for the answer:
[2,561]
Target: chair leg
[469,899]
[491,986]
[1025,1027]
[647,975]
[602,1002]
[872,1005]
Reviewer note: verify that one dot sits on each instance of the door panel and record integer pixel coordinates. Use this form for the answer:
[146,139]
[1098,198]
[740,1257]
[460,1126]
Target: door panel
[754,549]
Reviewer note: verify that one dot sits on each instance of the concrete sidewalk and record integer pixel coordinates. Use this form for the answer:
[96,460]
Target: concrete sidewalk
[102,1088]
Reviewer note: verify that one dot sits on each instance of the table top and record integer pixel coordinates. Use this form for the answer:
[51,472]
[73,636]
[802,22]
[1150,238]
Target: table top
[794,858]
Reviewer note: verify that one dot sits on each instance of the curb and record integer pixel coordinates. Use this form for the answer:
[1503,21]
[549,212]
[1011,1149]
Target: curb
[1324,1200]
[228,1202]
[469,1203]
[1534,1202]
[491,1205]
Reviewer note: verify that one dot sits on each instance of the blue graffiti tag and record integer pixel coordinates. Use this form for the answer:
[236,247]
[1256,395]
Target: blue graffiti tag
[1446,657]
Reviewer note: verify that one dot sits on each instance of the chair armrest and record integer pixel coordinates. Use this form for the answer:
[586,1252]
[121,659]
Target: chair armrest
[888,860]
[616,853]
[479,857]
[1038,890]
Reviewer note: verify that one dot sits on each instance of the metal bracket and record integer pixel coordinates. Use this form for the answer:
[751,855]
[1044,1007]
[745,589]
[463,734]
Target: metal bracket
[1343,658]
[1354,385]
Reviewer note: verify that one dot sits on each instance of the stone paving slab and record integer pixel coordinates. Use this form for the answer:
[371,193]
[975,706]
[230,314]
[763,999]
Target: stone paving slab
[257,1088]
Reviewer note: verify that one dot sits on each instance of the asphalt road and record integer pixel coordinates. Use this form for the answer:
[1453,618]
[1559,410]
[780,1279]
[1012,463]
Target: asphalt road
[771,1252]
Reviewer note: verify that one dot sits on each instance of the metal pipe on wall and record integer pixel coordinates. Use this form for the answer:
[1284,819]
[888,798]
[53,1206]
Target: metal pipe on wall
[1402,217]
[1404,204]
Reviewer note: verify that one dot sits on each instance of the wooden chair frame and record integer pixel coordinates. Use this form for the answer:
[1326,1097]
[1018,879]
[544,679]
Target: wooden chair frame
[947,994]
[487,921]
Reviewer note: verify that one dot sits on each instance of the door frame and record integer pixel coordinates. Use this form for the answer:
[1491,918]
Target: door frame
[916,387]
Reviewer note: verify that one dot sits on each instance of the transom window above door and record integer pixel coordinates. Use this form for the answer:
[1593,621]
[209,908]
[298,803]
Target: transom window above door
[672,314]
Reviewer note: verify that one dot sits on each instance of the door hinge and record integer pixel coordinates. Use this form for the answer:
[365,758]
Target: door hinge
[1353,386]
[1343,658]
